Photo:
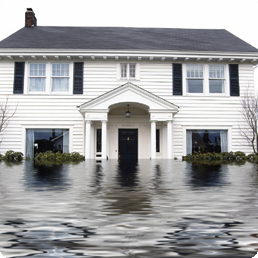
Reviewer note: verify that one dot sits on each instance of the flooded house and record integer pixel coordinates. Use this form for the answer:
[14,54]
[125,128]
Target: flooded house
[124,92]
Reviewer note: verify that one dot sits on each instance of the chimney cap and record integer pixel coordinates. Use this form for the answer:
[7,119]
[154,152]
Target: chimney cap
[29,9]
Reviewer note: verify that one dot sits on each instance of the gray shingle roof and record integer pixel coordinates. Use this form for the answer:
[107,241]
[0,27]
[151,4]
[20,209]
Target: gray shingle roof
[126,38]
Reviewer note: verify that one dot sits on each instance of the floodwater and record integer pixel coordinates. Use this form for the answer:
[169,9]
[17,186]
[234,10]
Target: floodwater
[144,210]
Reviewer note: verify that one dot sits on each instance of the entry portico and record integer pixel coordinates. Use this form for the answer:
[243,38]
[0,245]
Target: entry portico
[149,113]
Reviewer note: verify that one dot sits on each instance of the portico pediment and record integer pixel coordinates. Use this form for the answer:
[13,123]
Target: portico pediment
[128,93]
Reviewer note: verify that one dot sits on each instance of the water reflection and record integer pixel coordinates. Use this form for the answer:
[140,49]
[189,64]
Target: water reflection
[98,175]
[157,179]
[127,174]
[46,178]
[206,175]
[144,209]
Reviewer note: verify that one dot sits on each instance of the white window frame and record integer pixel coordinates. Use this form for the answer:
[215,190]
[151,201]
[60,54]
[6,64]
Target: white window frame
[227,128]
[43,125]
[206,79]
[48,89]
[127,77]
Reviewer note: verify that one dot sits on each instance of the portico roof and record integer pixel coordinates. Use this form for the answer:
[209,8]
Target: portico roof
[132,93]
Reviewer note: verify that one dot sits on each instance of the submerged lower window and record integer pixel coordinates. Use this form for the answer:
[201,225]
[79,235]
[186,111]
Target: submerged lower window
[41,140]
[203,141]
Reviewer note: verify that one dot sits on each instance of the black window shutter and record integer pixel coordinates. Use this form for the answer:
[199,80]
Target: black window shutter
[78,78]
[177,79]
[234,80]
[18,77]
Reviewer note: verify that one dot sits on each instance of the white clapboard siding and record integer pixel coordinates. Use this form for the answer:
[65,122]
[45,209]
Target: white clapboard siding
[51,110]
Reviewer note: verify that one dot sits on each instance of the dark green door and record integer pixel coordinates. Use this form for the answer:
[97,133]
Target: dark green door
[128,144]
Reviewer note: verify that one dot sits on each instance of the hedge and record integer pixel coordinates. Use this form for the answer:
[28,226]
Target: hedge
[237,156]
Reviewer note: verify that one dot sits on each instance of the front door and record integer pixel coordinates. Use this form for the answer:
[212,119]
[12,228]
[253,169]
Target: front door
[128,144]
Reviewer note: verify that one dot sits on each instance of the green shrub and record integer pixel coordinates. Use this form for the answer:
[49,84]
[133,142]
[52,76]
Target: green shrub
[49,158]
[12,156]
[237,157]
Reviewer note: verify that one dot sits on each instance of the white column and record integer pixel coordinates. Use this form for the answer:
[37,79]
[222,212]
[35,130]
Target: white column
[153,139]
[169,139]
[104,139]
[88,140]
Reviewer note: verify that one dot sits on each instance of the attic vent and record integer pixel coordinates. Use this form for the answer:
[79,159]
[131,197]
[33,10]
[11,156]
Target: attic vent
[30,18]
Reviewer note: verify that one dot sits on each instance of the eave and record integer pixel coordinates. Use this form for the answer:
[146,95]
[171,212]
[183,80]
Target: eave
[151,55]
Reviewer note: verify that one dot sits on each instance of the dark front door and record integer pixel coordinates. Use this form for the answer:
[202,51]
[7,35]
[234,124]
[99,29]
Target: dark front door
[128,144]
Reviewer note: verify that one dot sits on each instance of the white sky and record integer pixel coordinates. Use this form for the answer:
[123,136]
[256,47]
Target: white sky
[240,17]
[237,16]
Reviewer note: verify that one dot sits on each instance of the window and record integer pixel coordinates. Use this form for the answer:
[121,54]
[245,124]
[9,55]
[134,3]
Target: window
[205,79]
[203,141]
[157,140]
[194,78]
[216,78]
[37,77]
[98,141]
[60,77]
[41,140]
[128,71]
[49,77]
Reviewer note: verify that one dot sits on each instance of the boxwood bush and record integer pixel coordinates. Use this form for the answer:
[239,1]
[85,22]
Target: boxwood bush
[12,156]
[237,156]
[49,158]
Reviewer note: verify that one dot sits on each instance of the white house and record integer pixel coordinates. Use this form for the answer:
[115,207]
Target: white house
[128,93]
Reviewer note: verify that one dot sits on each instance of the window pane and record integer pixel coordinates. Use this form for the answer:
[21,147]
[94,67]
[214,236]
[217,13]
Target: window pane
[55,69]
[65,70]
[60,84]
[60,69]
[37,84]
[203,141]
[37,70]
[98,143]
[157,140]
[195,86]
[123,70]
[216,71]
[194,71]
[216,86]
[41,140]
[132,70]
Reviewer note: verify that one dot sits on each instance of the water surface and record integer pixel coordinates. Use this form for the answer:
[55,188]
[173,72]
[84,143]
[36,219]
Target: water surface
[149,209]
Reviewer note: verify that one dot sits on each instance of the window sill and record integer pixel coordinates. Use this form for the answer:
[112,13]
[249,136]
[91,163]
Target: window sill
[49,93]
[206,95]
[130,79]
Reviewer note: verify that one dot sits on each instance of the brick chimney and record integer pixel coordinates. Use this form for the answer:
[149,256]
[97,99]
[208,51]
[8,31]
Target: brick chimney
[30,18]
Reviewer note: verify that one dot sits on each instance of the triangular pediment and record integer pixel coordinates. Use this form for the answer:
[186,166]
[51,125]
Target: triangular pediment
[128,93]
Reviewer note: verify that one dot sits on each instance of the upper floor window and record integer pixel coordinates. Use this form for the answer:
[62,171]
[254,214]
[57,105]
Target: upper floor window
[128,71]
[49,77]
[194,78]
[217,78]
[60,77]
[37,77]
[205,79]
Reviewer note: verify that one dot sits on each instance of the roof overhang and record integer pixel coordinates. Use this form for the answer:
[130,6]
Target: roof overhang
[83,54]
